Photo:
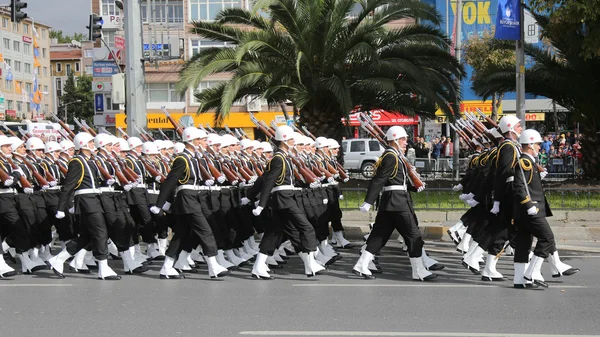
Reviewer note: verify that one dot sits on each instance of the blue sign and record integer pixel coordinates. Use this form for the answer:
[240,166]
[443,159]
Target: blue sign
[508,20]
[99,102]
[105,68]
[156,46]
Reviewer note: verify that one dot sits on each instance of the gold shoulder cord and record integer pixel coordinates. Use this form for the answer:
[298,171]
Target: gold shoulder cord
[380,160]
[281,177]
[82,171]
[514,161]
[527,166]
[187,170]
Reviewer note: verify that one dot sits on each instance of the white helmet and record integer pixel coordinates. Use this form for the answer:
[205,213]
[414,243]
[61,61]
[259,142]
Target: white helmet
[246,143]
[333,144]
[160,144]
[103,139]
[123,144]
[508,123]
[66,144]
[321,142]
[134,142]
[227,140]
[191,132]
[149,148]
[52,146]
[495,133]
[4,140]
[284,133]
[15,143]
[168,144]
[530,136]
[81,141]
[395,132]
[256,144]
[34,143]
[179,147]
[476,143]
[214,139]
[310,141]
[267,147]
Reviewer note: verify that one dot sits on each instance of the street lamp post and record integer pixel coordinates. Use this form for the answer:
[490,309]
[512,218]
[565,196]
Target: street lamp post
[66,109]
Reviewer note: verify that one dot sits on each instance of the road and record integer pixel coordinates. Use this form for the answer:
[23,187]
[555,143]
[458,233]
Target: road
[457,303]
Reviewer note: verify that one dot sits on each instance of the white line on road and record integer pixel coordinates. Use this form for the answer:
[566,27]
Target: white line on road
[401,285]
[36,285]
[383,333]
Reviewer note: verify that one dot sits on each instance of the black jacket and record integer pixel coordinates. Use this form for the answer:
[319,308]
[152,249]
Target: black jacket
[527,174]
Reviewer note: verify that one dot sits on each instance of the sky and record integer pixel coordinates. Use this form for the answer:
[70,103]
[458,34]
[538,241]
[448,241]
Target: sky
[70,16]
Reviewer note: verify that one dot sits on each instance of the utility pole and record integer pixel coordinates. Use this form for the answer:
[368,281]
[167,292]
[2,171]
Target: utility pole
[135,84]
[520,55]
[457,54]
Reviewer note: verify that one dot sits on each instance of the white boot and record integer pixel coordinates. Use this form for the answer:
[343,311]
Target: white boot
[278,258]
[464,244]
[153,252]
[182,265]
[509,251]
[361,267]
[452,232]
[271,263]
[221,260]
[460,233]
[340,240]
[57,263]
[5,269]
[519,280]
[429,263]
[259,270]
[418,270]
[253,243]
[215,269]
[489,272]
[471,261]
[162,247]
[130,266]
[138,256]
[28,266]
[45,253]
[77,263]
[249,249]
[34,256]
[112,249]
[558,267]
[311,267]
[239,252]
[239,262]
[89,259]
[105,272]
[167,271]
[534,271]
[196,255]
[190,261]
[328,249]
[281,252]
[288,247]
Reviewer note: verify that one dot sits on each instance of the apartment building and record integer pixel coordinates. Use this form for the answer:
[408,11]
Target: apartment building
[21,69]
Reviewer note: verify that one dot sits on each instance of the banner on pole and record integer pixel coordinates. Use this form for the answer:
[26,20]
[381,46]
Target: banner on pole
[508,20]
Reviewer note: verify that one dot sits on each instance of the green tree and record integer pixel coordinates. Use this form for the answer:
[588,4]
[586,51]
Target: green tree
[563,74]
[59,35]
[80,99]
[483,56]
[326,60]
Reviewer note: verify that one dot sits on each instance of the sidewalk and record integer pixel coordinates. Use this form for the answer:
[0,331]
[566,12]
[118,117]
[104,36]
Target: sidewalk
[566,225]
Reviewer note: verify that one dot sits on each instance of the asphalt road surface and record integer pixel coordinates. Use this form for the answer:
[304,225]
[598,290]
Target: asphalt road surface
[339,303]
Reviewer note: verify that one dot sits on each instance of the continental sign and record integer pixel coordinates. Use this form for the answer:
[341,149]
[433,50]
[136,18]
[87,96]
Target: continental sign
[529,117]
[470,106]
[234,120]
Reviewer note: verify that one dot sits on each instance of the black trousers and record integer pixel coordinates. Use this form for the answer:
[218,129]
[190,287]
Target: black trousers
[27,212]
[116,221]
[94,235]
[306,239]
[145,223]
[403,221]
[12,228]
[333,208]
[527,228]
[194,224]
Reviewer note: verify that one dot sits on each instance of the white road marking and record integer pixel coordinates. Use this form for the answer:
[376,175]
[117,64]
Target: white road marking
[401,285]
[36,285]
[383,333]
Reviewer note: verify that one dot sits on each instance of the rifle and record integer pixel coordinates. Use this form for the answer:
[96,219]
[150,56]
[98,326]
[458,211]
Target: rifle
[123,175]
[144,134]
[153,172]
[210,129]
[462,135]
[125,135]
[24,134]
[203,172]
[241,134]
[176,125]
[4,176]
[480,127]
[64,134]
[487,119]
[229,131]
[81,127]
[23,178]
[260,126]
[62,169]
[36,175]
[10,132]
[63,125]
[257,169]
[163,134]
[89,128]
[308,133]
[105,174]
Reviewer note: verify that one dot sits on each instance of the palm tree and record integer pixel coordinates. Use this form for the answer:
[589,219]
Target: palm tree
[327,61]
[564,75]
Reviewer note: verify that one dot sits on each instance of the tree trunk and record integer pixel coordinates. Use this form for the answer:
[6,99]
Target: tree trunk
[324,124]
[496,103]
[555,116]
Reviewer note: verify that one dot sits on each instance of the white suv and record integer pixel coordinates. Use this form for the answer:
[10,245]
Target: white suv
[361,154]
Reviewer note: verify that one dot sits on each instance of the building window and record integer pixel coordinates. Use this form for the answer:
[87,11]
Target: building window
[77,67]
[9,104]
[198,45]
[208,9]
[204,85]
[173,13]
[28,68]
[19,106]
[58,67]
[15,27]
[8,85]
[28,106]
[163,92]
[26,48]
[6,43]
[58,87]
[25,28]
[43,33]
[89,70]
[109,37]
[17,65]
[46,109]
[43,52]
[45,71]
[4,23]
[45,88]
[89,53]
[16,46]
[68,66]
[28,87]
[9,62]
[109,8]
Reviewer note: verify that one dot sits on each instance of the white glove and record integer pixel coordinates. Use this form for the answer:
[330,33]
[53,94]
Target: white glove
[331,180]
[157,179]
[457,187]
[496,207]
[45,187]
[52,183]
[245,201]
[128,187]
[110,182]
[139,181]
[154,210]
[235,182]
[346,180]
[28,190]
[325,201]
[341,197]
[365,207]
[72,210]
[60,215]
[166,206]
[257,211]
[209,182]
[241,184]
[532,211]
[472,202]
[464,197]
[19,170]
[221,179]
[543,174]
[253,179]
[8,182]
[420,189]
[256,203]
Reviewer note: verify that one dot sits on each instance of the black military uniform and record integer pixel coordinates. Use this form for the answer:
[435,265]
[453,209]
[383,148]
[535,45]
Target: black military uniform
[12,228]
[138,201]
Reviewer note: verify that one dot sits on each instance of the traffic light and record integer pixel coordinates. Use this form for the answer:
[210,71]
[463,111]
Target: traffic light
[95,27]
[15,10]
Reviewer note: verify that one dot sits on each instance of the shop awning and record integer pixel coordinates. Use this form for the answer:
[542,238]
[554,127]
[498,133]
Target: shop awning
[384,118]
